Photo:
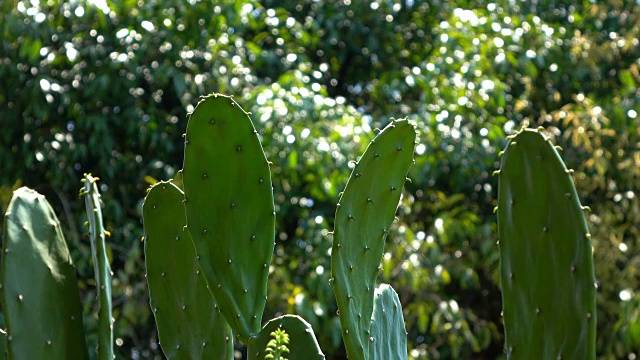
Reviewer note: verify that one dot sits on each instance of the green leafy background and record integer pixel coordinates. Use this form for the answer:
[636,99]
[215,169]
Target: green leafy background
[104,87]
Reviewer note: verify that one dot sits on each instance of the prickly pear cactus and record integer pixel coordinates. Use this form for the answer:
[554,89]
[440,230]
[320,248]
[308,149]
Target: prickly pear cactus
[102,270]
[189,323]
[363,217]
[230,209]
[302,344]
[39,291]
[546,264]
[388,334]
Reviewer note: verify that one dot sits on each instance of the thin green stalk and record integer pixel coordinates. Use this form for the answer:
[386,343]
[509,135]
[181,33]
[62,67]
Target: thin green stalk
[102,270]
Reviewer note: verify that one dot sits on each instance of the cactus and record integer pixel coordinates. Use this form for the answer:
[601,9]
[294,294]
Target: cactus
[388,334]
[302,344]
[363,216]
[189,323]
[230,209]
[39,296]
[102,270]
[546,265]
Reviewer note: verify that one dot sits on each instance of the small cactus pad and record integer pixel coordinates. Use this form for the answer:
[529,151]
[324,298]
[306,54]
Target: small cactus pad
[230,209]
[39,291]
[101,266]
[363,217]
[388,333]
[302,345]
[189,323]
[546,262]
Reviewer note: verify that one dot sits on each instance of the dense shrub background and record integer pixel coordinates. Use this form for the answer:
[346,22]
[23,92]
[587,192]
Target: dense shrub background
[104,87]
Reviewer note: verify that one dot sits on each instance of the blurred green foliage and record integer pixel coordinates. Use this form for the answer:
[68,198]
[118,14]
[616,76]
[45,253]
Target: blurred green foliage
[104,87]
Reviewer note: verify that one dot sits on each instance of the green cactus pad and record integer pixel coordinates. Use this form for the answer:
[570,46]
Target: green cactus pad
[546,263]
[39,296]
[189,323]
[363,217]
[388,333]
[230,209]
[101,266]
[302,344]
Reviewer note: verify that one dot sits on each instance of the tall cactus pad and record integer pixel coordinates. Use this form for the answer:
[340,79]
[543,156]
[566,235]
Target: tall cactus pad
[189,323]
[230,210]
[546,264]
[363,217]
[302,340]
[101,266]
[388,333]
[39,296]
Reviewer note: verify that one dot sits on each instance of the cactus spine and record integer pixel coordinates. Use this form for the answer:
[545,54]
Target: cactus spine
[39,296]
[102,270]
[189,323]
[546,264]
[230,209]
[363,217]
